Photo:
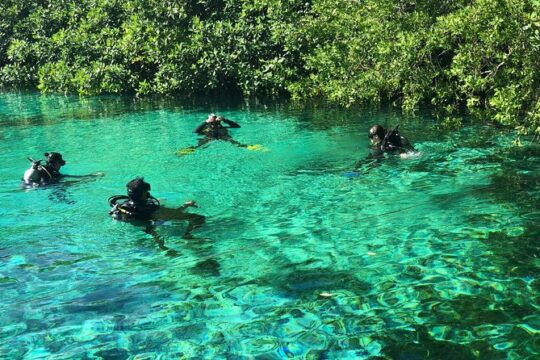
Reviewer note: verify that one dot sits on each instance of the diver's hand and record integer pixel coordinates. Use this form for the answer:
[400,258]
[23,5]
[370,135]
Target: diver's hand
[98,174]
[190,203]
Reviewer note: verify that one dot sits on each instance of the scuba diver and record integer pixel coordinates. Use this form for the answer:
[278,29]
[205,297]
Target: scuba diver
[48,174]
[139,205]
[40,174]
[212,128]
[386,141]
[383,142]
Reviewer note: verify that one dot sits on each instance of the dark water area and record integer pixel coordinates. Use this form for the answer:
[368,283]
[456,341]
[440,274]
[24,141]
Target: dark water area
[304,253]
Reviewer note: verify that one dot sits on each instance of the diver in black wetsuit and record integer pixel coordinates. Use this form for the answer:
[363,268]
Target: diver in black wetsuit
[385,141]
[140,205]
[48,174]
[39,175]
[212,129]
[137,205]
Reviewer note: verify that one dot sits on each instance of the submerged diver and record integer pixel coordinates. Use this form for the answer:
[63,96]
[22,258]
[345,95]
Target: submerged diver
[140,205]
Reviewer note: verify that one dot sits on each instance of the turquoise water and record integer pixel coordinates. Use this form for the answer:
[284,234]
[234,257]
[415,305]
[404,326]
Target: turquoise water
[435,256]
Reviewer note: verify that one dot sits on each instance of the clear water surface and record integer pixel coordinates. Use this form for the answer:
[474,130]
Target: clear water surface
[301,257]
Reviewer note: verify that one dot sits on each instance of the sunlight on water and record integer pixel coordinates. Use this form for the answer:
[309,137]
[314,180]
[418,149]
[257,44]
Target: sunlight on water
[302,255]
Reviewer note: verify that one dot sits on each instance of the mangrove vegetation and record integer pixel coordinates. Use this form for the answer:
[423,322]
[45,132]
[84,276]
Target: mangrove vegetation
[479,57]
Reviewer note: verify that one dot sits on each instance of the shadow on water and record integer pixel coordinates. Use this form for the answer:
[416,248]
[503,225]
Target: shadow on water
[515,184]
[38,110]
[408,344]
[494,310]
[309,283]
[50,110]
[208,267]
[103,300]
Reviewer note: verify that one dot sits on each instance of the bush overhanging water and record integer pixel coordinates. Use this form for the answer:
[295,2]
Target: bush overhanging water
[479,56]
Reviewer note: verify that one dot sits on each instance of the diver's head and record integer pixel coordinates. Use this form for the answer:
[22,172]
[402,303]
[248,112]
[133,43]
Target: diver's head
[376,134]
[138,190]
[54,160]
[212,117]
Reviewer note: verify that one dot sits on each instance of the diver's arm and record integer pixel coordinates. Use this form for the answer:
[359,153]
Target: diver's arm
[165,213]
[79,179]
[190,203]
[76,176]
[151,230]
[200,128]
[93,175]
[230,123]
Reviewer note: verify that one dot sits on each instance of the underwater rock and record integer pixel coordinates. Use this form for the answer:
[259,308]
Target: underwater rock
[207,267]
[113,354]
[301,283]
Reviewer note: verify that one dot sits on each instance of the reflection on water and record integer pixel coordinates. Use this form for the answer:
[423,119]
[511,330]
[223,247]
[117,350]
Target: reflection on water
[302,255]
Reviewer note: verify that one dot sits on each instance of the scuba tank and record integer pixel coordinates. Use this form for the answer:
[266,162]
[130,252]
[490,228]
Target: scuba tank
[123,209]
[33,175]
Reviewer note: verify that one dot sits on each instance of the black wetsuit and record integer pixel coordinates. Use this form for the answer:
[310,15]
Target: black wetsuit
[215,130]
[393,142]
[48,174]
[143,213]
[131,210]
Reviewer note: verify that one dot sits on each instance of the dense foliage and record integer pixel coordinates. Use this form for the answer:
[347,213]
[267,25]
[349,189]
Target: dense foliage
[481,56]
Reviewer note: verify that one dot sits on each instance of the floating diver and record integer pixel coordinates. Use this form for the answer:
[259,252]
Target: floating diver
[40,174]
[47,173]
[212,129]
[139,206]
[384,141]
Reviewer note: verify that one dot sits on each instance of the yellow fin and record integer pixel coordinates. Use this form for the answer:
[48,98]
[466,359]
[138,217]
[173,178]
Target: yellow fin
[185,151]
[257,147]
